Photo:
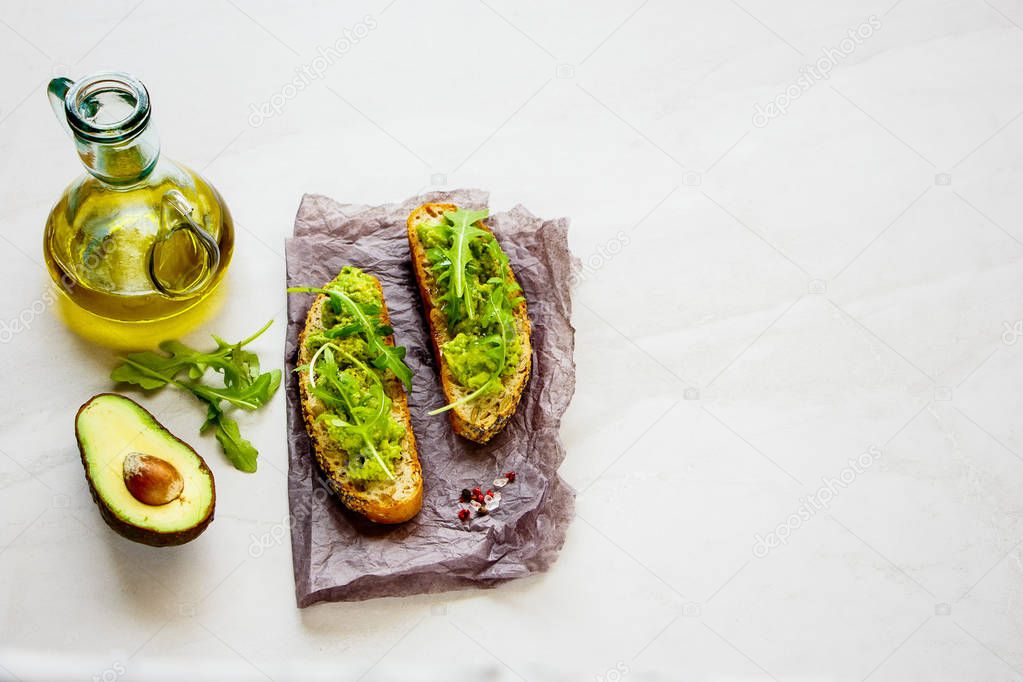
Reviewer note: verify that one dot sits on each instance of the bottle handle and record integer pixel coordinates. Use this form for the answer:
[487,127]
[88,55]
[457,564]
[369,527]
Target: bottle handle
[57,91]
[176,214]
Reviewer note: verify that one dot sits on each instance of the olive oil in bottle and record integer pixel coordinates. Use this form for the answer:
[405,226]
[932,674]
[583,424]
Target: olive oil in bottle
[139,237]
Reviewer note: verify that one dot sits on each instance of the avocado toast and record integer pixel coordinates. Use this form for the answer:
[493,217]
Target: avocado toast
[352,381]
[479,326]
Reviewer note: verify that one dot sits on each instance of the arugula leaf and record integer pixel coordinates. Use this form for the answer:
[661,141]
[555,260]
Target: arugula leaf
[463,231]
[364,415]
[140,370]
[463,264]
[382,355]
[248,397]
[244,387]
[241,452]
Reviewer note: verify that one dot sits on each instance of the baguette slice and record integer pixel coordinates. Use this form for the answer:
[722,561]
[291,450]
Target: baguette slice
[379,501]
[481,419]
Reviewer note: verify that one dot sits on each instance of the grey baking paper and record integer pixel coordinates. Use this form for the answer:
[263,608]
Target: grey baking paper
[338,556]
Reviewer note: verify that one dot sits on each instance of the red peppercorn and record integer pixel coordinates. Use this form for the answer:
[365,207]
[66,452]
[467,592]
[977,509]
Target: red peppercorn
[476,492]
[463,514]
[510,475]
[489,492]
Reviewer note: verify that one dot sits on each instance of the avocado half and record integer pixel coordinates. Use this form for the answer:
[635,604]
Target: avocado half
[128,457]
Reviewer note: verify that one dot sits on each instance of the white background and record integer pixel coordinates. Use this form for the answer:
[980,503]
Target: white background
[845,277]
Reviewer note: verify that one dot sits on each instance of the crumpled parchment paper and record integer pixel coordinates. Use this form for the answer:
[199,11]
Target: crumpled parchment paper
[337,555]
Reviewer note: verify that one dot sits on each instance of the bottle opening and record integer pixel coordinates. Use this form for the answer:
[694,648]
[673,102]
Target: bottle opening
[108,107]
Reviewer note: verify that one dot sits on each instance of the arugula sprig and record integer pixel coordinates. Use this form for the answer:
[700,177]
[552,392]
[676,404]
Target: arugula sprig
[367,323]
[463,231]
[244,386]
[455,267]
[364,411]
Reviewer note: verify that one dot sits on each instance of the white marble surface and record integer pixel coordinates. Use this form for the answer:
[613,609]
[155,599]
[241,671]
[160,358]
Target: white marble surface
[763,303]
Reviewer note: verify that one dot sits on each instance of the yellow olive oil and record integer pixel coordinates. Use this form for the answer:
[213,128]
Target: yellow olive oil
[98,239]
[139,238]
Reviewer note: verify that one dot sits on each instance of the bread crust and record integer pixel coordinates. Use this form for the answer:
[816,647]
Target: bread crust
[483,418]
[365,499]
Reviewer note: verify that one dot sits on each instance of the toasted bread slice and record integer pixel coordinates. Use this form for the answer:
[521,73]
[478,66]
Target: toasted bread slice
[481,419]
[379,501]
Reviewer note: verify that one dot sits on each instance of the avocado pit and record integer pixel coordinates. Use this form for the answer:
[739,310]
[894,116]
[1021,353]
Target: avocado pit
[152,480]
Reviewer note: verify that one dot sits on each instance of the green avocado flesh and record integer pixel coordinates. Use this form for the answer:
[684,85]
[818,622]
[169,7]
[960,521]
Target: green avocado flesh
[471,275]
[358,409]
[111,428]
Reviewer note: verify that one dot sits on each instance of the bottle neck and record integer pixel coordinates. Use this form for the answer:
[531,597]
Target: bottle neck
[121,163]
[108,116]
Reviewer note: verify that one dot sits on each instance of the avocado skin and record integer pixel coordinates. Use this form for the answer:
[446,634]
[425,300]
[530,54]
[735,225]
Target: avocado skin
[145,536]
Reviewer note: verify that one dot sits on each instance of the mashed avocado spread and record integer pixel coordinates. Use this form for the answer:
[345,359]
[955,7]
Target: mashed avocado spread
[347,371]
[471,275]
